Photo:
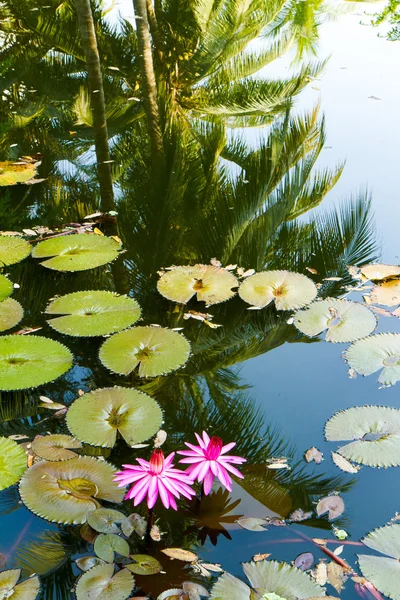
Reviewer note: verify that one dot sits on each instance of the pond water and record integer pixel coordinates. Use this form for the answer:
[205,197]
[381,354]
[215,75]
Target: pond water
[255,380]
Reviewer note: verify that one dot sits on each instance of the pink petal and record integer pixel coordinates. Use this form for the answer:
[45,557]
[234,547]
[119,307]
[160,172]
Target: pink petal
[172,503]
[224,478]
[202,445]
[133,467]
[170,487]
[206,438]
[232,470]
[208,483]
[205,468]
[138,487]
[169,460]
[151,500]
[228,447]
[140,496]
[191,453]
[144,463]
[192,459]
[193,471]
[214,467]
[164,494]
[197,449]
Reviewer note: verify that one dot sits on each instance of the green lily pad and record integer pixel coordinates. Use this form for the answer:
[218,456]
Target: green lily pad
[30,361]
[6,287]
[93,313]
[105,520]
[13,462]
[345,321]
[144,565]
[12,173]
[282,579]
[211,284]
[55,447]
[27,590]
[65,492]
[375,431]
[77,252]
[95,418]
[267,577]
[383,572]
[381,351]
[100,583]
[107,544]
[88,562]
[13,249]
[11,313]
[288,290]
[155,350]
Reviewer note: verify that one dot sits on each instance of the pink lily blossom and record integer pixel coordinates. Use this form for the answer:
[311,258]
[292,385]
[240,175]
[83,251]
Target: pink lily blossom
[209,460]
[153,479]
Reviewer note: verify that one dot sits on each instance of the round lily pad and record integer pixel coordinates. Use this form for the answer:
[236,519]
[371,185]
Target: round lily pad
[100,583]
[6,287]
[105,520]
[288,290]
[383,572]
[95,418]
[77,252]
[387,294]
[345,321]
[27,590]
[155,350]
[11,313]
[13,462]
[55,447]
[144,565]
[13,249]
[211,284]
[375,431]
[29,361]
[108,544]
[93,313]
[65,492]
[381,351]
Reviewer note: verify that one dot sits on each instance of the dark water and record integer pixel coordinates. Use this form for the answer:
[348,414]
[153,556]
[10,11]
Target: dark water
[255,380]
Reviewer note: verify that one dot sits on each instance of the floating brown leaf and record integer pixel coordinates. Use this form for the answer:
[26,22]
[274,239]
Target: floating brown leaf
[333,505]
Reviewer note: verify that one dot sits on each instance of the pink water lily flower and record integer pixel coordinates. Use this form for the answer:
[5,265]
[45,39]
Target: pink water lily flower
[153,479]
[209,460]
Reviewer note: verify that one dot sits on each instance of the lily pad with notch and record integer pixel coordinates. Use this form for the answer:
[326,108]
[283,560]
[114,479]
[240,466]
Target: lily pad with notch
[144,565]
[380,351]
[30,361]
[92,313]
[11,313]
[77,252]
[100,583]
[212,285]
[13,462]
[105,520]
[13,249]
[65,492]
[382,571]
[154,350]
[288,290]
[6,287]
[9,586]
[375,431]
[56,447]
[344,320]
[96,417]
[108,544]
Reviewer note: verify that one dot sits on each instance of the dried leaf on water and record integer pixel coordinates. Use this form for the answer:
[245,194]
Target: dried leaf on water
[337,576]
[180,554]
[313,454]
[333,505]
[344,464]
